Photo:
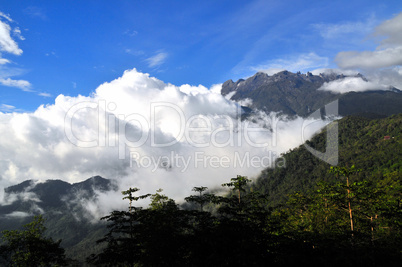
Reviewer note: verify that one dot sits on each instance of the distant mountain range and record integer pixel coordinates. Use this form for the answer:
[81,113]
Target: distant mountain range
[52,193]
[297,94]
[62,206]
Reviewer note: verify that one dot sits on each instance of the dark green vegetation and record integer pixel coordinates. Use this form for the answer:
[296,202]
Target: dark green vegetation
[361,143]
[307,213]
[297,94]
[29,247]
[341,224]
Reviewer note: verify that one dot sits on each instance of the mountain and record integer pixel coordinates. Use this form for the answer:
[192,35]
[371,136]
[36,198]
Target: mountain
[62,206]
[372,145]
[52,193]
[297,94]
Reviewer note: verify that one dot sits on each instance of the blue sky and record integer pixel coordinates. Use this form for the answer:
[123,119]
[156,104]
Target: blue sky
[50,48]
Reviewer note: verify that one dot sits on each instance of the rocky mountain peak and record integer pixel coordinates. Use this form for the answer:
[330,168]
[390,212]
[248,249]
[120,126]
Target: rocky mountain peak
[296,93]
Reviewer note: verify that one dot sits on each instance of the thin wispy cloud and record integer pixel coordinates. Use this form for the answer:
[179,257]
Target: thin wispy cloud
[6,16]
[302,62]
[130,33]
[21,84]
[157,60]
[4,61]
[6,108]
[134,52]
[17,33]
[45,94]
[333,31]
[35,12]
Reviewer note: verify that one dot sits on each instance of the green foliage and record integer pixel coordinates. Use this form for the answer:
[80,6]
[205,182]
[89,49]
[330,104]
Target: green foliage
[311,227]
[29,247]
[361,143]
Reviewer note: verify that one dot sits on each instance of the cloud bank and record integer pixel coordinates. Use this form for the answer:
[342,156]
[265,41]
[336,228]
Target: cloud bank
[144,133]
[387,54]
[349,84]
[383,65]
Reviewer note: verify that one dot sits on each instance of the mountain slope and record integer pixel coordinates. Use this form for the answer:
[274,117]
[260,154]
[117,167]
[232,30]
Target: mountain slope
[62,206]
[298,94]
[361,143]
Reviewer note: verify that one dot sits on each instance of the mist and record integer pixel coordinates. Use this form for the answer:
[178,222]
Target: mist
[141,132]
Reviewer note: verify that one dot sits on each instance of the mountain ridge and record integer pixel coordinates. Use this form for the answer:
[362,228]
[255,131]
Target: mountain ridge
[297,94]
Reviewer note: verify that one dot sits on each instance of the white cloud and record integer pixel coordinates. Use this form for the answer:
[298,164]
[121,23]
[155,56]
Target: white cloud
[348,28]
[44,94]
[334,71]
[78,137]
[272,71]
[246,102]
[6,16]
[4,61]
[130,33]
[390,29]
[134,52]
[387,54]
[157,59]
[349,84]
[7,44]
[6,108]
[36,12]
[17,33]
[216,88]
[17,214]
[22,84]
[388,76]
[301,62]
[370,59]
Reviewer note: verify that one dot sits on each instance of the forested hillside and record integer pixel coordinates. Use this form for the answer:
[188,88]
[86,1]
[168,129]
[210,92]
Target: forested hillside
[374,146]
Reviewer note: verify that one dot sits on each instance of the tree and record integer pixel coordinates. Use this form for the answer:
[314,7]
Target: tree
[239,183]
[346,172]
[29,247]
[123,248]
[201,199]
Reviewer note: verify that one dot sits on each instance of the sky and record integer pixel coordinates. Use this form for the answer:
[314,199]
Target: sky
[130,90]
[49,48]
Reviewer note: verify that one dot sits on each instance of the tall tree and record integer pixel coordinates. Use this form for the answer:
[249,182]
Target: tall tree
[347,173]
